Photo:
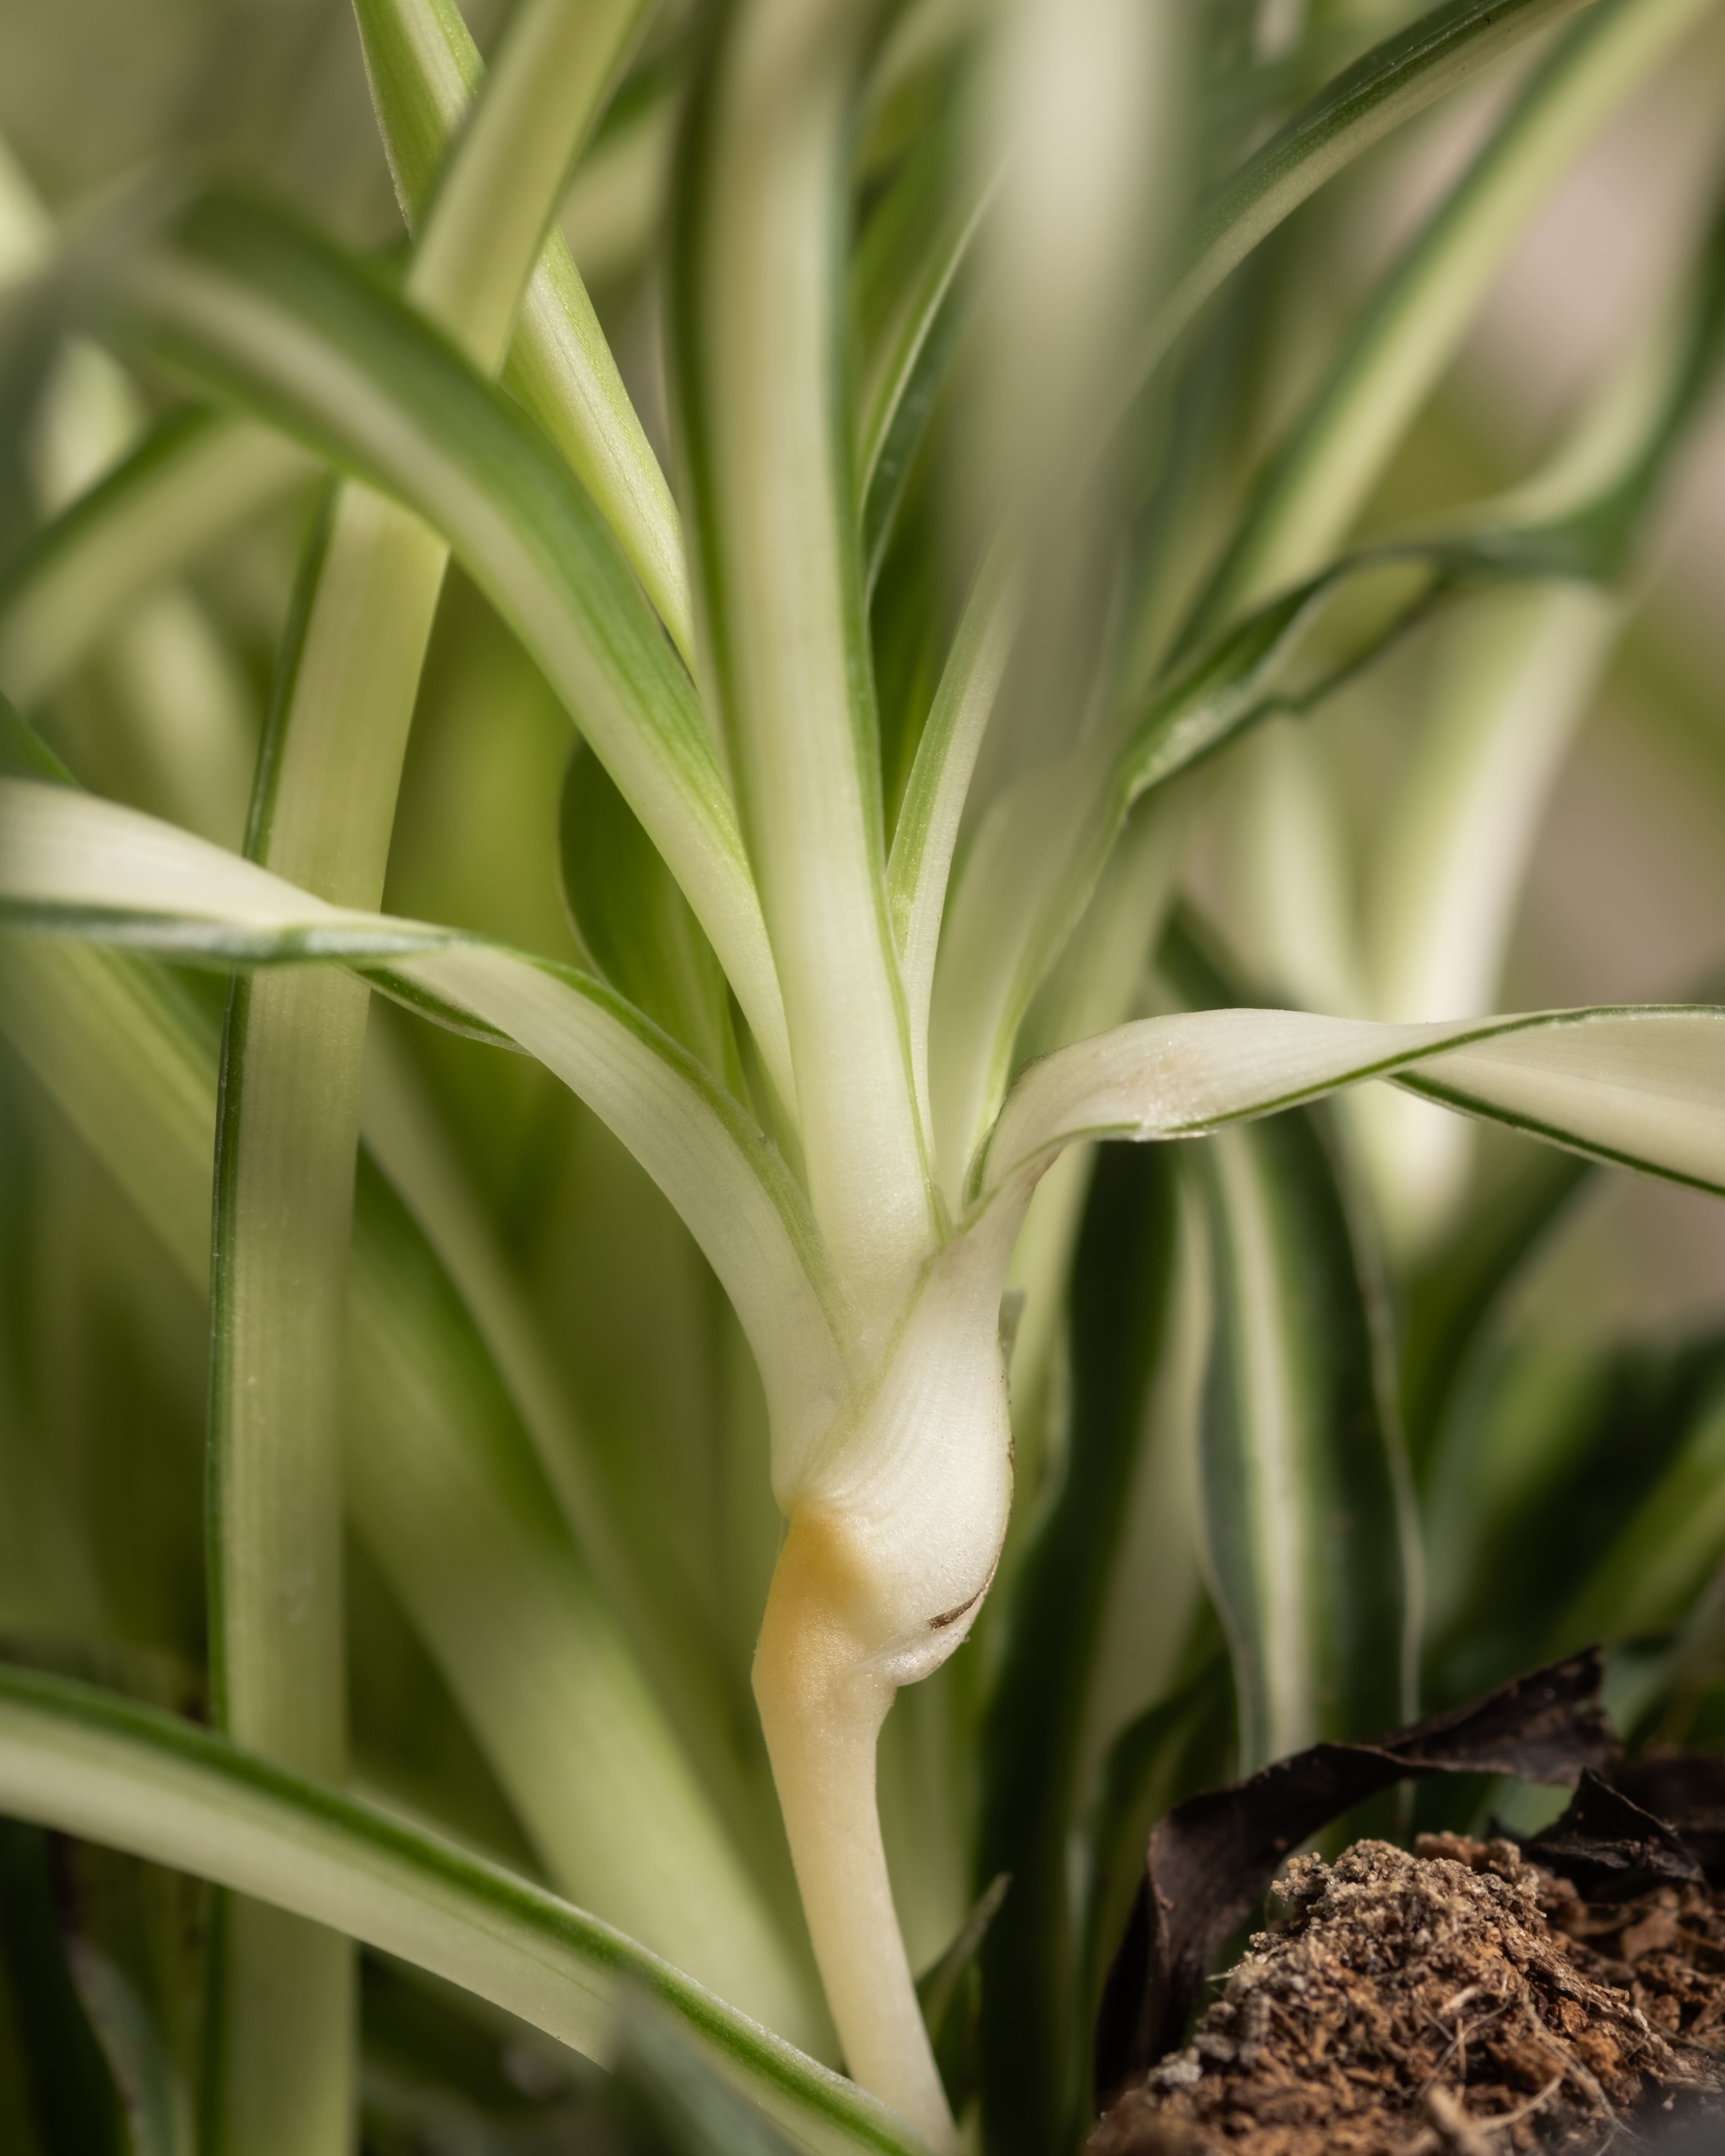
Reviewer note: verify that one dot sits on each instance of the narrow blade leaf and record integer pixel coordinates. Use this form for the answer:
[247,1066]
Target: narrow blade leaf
[90,1764]
[443,1489]
[88,868]
[1312,1555]
[1642,1086]
[263,314]
[1397,78]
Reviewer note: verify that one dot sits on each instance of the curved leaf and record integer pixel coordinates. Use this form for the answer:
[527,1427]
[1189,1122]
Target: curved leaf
[262,313]
[1036,857]
[1642,1086]
[1035,861]
[926,832]
[324,805]
[1320,478]
[906,301]
[88,867]
[497,193]
[90,1764]
[1516,672]
[424,70]
[443,1489]
[647,1593]
[1397,78]
[1035,2065]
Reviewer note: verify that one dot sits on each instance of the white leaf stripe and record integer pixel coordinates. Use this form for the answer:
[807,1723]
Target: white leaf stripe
[1269,1473]
[757,351]
[920,866]
[86,1763]
[1645,1086]
[1307,1511]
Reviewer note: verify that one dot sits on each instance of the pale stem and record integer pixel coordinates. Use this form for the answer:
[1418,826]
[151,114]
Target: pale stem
[896,1518]
[822,1704]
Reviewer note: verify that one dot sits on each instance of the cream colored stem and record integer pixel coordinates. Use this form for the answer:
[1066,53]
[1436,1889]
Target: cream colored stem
[822,1704]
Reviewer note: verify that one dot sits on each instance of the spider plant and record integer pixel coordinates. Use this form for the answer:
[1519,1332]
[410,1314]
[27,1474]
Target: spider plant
[1011,534]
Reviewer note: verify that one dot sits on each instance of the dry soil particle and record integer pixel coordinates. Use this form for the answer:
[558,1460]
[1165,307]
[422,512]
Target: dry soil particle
[1459,2002]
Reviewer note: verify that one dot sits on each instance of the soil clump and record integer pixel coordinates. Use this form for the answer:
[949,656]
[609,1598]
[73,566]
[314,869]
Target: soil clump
[1460,2001]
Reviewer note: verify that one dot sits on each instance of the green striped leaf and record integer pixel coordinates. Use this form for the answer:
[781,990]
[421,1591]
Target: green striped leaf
[443,1489]
[1321,477]
[1312,1556]
[1034,2036]
[1397,78]
[1033,864]
[89,1763]
[424,70]
[925,836]
[260,312]
[907,303]
[1035,861]
[91,868]
[323,812]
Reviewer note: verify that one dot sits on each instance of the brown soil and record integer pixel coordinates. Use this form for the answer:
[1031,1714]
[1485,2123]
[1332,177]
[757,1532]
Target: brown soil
[1459,2002]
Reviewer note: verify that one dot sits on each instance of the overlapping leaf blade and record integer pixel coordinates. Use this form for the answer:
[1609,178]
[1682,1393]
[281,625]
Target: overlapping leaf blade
[258,312]
[90,1764]
[91,868]
[445,1487]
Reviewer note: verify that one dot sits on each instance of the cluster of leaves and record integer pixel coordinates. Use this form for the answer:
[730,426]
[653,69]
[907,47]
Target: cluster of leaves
[557,1486]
